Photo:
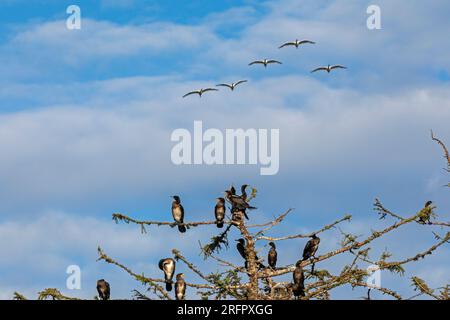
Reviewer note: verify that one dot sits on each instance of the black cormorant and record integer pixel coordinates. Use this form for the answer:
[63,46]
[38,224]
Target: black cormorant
[178,213]
[272,256]
[103,289]
[180,287]
[219,212]
[168,267]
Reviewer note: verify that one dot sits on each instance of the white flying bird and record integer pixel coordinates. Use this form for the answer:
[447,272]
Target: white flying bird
[199,92]
[264,62]
[231,85]
[329,68]
[296,43]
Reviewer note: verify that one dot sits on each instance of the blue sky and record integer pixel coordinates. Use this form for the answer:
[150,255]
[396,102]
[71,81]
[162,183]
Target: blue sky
[86,118]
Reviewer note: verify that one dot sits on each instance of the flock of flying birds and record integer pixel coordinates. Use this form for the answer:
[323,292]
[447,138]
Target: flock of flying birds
[239,206]
[265,62]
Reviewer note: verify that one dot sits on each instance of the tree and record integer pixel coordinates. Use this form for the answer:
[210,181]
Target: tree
[256,281]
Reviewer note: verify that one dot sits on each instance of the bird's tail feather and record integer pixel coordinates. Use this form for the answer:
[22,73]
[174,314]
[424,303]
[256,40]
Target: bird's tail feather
[182,228]
[169,286]
[219,224]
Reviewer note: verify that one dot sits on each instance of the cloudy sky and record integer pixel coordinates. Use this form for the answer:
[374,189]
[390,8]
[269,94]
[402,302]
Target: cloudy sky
[86,117]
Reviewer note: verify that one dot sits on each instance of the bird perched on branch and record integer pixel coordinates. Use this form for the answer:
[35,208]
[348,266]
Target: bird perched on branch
[264,62]
[296,43]
[219,212]
[168,267]
[232,85]
[200,92]
[240,246]
[178,213]
[103,289]
[272,256]
[298,289]
[426,213]
[237,202]
[180,287]
[329,68]
[311,247]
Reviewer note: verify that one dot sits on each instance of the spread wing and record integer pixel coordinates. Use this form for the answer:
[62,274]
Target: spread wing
[306,41]
[239,82]
[338,66]
[256,62]
[224,85]
[319,69]
[210,89]
[287,44]
[192,92]
[274,61]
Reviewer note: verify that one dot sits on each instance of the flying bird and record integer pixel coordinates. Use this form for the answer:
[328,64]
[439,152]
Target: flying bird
[200,92]
[103,289]
[168,267]
[298,276]
[264,62]
[272,256]
[296,43]
[329,68]
[178,213]
[311,247]
[219,212]
[180,287]
[232,85]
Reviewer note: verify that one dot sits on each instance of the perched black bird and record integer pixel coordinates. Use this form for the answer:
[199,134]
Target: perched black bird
[241,248]
[426,213]
[168,267]
[219,212]
[298,289]
[243,192]
[272,256]
[103,289]
[311,247]
[180,287]
[237,202]
[178,213]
